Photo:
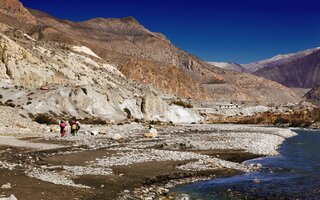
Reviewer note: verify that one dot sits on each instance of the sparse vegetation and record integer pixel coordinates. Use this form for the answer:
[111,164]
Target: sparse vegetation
[281,120]
[94,121]
[183,104]
[300,123]
[155,122]
[216,81]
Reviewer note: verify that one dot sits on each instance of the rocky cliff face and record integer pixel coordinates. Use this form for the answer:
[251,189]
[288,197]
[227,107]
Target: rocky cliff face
[313,95]
[150,58]
[12,10]
[64,80]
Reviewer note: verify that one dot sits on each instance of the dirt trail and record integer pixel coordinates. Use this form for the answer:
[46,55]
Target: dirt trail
[14,142]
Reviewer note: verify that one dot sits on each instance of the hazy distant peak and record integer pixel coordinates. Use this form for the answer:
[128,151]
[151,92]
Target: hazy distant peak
[278,59]
[300,70]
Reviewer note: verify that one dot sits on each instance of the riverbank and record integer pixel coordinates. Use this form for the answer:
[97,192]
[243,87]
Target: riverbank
[119,161]
[293,175]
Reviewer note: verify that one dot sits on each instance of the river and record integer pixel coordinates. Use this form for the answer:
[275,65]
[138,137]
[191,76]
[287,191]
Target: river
[294,174]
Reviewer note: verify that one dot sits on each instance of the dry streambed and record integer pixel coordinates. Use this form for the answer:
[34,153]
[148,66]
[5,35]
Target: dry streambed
[131,166]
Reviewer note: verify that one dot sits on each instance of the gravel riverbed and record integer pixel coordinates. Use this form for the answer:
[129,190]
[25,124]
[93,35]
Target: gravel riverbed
[119,161]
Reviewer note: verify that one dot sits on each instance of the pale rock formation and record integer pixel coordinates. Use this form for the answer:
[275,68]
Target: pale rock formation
[53,79]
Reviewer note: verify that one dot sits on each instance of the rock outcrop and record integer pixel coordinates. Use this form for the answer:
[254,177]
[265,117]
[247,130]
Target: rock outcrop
[14,11]
[62,80]
[313,95]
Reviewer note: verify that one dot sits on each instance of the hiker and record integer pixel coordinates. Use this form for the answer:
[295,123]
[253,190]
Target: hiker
[62,125]
[75,126]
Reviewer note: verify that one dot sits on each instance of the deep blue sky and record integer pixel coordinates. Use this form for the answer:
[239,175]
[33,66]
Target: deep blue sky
[218,30]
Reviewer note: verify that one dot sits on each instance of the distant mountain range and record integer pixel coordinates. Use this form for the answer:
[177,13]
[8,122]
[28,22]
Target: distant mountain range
[277,60]
[299,69]
[295,70]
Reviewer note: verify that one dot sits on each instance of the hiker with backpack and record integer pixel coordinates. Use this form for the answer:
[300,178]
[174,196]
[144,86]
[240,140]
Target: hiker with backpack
[62,125]
[75,126]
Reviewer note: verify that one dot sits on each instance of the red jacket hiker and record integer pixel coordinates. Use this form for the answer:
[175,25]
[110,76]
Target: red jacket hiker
[62,128]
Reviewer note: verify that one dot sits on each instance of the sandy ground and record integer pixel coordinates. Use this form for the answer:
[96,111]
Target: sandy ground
[14,142]
[97,165]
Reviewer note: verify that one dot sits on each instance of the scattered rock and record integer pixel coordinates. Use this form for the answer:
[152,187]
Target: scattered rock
[117,136]
[184,197]
[256,180]
[44,88]
[53,129]
[152,133]
[6,186]
[256,166]
[146,191]
[12,197]
[94,132]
